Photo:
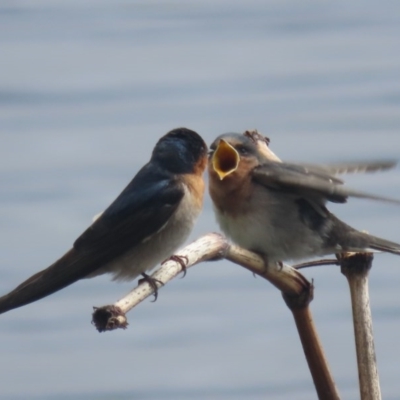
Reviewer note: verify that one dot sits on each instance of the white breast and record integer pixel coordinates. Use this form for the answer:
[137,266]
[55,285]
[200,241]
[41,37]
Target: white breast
[158,247]
[271,226]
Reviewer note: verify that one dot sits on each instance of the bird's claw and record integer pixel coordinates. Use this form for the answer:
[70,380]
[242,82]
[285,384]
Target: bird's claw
[152,282]
[182,260]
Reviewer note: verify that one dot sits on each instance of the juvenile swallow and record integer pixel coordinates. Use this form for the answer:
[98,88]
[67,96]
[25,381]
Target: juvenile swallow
[278,209]
[145,224]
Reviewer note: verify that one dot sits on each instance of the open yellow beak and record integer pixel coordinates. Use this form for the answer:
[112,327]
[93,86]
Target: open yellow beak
[225,159]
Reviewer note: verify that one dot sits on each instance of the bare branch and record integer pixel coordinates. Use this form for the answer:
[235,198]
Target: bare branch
[282,276]
[210,247]
[317,263]
[296,289]
[312,347]
[356,266]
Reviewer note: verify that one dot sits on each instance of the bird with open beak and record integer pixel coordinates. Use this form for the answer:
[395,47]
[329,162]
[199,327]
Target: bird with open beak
[278,209]
[145,224]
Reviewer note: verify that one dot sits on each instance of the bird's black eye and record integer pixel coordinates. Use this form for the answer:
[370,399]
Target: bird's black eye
[242,150]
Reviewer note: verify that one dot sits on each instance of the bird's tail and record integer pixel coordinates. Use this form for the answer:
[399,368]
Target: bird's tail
[379,244]
[352,240]
[65,271]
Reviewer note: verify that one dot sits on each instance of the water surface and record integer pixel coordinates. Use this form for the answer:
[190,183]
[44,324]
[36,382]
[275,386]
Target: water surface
[86,90]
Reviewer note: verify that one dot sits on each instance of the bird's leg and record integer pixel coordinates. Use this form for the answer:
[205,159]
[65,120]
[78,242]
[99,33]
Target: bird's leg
[152,282]
[279,264]
[182,260]
[266,263]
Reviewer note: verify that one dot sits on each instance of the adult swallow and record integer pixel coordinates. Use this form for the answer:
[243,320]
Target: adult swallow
[145,224]
[278,209]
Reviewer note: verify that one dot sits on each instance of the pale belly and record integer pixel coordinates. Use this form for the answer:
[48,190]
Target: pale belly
[275,230]
[156,248]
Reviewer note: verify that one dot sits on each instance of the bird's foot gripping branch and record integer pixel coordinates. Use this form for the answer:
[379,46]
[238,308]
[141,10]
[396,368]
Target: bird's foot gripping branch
[210,247]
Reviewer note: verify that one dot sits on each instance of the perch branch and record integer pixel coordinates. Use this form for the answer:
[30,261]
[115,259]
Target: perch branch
[210,247]
[356,266]
[317,263]
[312,347]
[296,289]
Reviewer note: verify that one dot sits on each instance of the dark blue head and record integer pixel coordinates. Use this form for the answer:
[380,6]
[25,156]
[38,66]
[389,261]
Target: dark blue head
[180,151]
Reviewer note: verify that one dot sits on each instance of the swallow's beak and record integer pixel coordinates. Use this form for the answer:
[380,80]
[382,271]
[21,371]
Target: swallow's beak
[225,159]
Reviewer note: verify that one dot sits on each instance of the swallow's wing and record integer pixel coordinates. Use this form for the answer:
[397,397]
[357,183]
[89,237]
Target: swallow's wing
[140,211]
[352,167]
[308,182]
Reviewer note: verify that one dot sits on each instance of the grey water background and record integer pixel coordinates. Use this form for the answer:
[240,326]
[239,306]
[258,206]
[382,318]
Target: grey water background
[87,88]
